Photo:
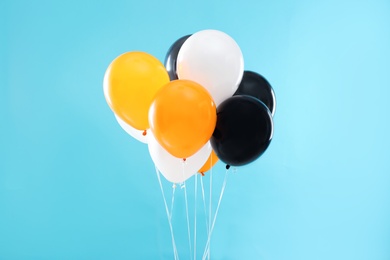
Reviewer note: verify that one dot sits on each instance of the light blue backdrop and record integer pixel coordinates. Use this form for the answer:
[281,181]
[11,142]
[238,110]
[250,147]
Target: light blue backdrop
[73,185]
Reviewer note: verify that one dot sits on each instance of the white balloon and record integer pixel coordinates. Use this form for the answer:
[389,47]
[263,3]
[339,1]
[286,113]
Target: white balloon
[214,60]
[175,169]
[137,134]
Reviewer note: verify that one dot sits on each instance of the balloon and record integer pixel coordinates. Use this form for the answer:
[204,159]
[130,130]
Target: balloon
[137,134]
[130,83]
[172,168]
[214,60]
[211,161]
[255,85]
[171,57]
[182,117]
[243,132]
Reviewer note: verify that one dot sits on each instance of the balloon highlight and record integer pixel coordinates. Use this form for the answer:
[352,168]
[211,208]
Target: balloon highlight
[130,83]
[197,108]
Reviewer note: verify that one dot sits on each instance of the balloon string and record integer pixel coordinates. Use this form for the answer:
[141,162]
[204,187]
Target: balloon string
[210,210]
[187,216]
[209,233]
[173,200]
[204,205]
[207,248]
[196,193]
[171,213]
[168,216]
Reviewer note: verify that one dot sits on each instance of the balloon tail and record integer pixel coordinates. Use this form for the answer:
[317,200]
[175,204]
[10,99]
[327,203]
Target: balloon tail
[202,173]
[169,216]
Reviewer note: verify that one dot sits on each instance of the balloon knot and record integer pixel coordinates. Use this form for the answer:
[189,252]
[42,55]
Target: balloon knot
[201,173]
[144,133]
[227,166]
[184,159]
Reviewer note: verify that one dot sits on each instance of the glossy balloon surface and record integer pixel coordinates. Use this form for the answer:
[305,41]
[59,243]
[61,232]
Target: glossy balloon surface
[171,57]
[255,85]
[182,117]
[243,132]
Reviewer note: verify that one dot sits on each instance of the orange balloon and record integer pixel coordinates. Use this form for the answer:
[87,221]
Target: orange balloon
[130,83]
[211,161]
[182,117]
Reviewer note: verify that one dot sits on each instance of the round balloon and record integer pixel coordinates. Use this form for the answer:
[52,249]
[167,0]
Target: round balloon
[244,130]
[214,60]
[255,85]
[171,57]
[135,133]
[172,168]
[130,83]
[182,117]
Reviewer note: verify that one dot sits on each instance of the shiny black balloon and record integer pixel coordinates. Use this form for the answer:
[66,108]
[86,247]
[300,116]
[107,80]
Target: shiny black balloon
[171,57]
[244,130]
[255,85]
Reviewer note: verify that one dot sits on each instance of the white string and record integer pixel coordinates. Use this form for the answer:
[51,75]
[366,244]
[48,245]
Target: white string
[207,248]
[188,219]
[211,172]
[195,194]
[175,254]
[210,210]
[170,217]
[204,205]
[173,199]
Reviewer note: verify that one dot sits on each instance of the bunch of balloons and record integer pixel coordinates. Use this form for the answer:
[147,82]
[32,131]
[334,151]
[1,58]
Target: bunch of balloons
[200,107]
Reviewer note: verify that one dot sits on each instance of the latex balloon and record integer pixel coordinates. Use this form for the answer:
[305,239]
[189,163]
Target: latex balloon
[243,132]
[171,57]
[130,83]
[255,85]
[214,60]
[182,117]
[135,133]
[211,161]
[172,168]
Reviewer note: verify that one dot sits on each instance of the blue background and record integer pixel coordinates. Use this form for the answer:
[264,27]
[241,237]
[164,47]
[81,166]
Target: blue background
[74,185]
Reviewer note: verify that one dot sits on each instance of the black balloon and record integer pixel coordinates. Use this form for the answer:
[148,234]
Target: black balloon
[171,57]
[244,130]
[255,85]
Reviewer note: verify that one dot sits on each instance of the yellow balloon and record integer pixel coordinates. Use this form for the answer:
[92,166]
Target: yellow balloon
[130,83]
